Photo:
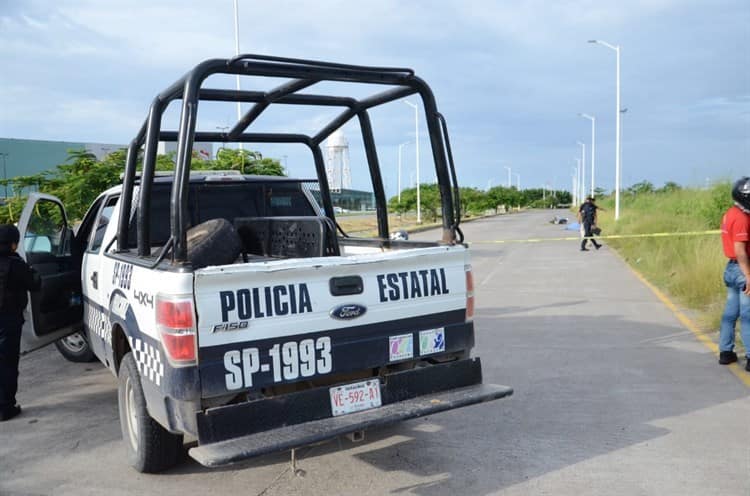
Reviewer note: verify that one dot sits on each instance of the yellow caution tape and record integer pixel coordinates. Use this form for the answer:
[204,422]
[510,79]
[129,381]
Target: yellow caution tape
[611,236]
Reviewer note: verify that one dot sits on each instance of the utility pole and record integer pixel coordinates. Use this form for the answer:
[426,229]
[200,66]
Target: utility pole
[416,144]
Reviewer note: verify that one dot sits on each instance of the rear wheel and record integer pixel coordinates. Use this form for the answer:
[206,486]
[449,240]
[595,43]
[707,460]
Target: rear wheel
[75,348]
[151,448]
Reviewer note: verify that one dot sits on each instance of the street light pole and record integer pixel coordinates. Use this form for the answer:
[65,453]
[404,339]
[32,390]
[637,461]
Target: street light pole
[593,148]
[583,167]
[518,181]
[616,48]
[508,176]
[579,191]
[416,142]
[574,191]
[399,168]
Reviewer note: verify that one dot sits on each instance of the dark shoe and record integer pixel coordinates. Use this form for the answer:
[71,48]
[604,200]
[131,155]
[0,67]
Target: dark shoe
[727,357]
[9,413]
[584,249]
[597,246]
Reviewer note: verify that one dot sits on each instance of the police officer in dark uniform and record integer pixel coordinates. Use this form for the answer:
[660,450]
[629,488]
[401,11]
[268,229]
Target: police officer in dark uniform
[587,217]
[16,278]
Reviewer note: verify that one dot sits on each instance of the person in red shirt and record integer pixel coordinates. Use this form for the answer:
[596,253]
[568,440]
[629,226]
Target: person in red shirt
[735,237]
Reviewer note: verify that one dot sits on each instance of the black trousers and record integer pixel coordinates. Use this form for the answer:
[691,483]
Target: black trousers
[588,234]
[10,346]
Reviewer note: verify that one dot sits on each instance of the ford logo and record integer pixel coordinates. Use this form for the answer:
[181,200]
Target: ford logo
[348,312]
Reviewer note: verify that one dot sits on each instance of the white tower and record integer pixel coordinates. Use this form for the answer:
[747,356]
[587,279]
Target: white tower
[337,162]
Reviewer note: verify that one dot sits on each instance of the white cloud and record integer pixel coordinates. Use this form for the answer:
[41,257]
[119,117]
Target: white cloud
[509,76]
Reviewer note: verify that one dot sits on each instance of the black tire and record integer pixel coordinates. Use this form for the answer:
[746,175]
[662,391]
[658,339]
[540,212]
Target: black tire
[151,448]
[76,348]
[214,242]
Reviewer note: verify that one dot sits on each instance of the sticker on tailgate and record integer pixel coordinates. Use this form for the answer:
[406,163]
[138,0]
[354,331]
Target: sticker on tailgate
[401,347]
[431,341]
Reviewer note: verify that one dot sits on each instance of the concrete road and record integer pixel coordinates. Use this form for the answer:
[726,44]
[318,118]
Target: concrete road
[613,396]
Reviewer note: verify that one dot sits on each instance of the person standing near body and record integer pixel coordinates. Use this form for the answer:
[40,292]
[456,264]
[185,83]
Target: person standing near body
[16,279]
[735,237]
[587,217]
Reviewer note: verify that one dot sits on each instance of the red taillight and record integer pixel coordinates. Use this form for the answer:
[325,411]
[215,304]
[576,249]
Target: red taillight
[181,347]
[175,314]
[469,293]
[175,321]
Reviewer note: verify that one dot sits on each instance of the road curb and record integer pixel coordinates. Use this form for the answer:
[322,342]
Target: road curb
[463,221]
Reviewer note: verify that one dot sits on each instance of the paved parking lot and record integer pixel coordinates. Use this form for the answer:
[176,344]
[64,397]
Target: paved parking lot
[612,396]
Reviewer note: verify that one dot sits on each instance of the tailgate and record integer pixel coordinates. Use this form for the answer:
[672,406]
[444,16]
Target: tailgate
[285,321]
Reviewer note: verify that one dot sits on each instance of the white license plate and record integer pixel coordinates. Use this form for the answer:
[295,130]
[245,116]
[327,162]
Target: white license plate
[355,397]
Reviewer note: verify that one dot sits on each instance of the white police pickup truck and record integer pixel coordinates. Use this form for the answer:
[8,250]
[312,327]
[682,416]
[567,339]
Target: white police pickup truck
[233,309]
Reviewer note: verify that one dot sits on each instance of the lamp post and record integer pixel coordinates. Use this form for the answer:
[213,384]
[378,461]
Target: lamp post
[399,168]
[574,190]
[579,192]
[593,148]
[518,180]
[508,176]
[616,48]
[583,167]
[416,144]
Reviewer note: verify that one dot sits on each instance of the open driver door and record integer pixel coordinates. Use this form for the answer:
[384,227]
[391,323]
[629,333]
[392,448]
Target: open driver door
[56,309]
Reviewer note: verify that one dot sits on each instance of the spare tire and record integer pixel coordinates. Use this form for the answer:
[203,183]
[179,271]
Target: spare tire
[214,242]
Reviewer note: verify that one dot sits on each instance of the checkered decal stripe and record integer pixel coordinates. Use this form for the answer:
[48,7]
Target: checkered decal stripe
[98,323]
[148,359]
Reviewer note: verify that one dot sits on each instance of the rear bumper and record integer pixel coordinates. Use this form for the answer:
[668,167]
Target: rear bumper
[233,433]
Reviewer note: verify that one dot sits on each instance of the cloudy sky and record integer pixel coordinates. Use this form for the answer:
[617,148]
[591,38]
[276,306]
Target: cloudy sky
[510,77]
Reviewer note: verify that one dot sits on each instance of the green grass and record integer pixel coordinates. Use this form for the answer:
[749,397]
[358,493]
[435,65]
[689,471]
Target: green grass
[688,268]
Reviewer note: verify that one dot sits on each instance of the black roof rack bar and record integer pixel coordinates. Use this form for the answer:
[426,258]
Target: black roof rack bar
[221,95]
[126,200]
[387,96]
[188,89]
[215,137]
[315,63]
[452,165]
[375,175]
[367,103]
[313,72]
[439,159]
[268,99]
[325,191]
[147,175]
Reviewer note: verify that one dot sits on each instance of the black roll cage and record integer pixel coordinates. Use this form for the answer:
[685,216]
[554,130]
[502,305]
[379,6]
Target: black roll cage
[301,74]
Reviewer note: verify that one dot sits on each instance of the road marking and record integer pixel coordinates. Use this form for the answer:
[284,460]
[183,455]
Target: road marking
[491,274]
[735,368]
[611,236]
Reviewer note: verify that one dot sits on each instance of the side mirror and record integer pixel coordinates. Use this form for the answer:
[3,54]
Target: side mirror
[67,241]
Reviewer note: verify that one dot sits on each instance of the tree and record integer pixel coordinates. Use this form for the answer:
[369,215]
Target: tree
[429,200]
[669,187]
[81,178]
[641,188]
